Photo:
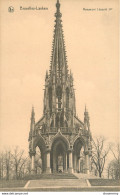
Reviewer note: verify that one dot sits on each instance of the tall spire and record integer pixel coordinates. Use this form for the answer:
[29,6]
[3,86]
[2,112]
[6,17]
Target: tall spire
[58,59]
[32,113]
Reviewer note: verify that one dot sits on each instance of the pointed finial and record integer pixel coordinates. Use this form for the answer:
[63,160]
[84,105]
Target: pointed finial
[46,74]
[32,113]
[86,111]
[58,3]
[58,14]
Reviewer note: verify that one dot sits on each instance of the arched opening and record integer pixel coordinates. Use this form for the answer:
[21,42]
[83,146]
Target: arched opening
[50,99]
[52,123]
[66,124]
[40,158]
[78,156]
[67,98]
[59,156]
[59,98]
[38,161]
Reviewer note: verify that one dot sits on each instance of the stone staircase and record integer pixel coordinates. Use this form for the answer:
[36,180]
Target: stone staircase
[57,181]
[45,176]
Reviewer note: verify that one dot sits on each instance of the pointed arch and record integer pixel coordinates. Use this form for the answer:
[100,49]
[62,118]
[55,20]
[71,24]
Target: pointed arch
[40,143]
[79,155]
[59,97]
[81,139]
[60,136]
[62,120]
[59,153]
[38,161]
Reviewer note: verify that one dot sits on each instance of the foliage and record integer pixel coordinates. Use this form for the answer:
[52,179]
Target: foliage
[13,164]
[114,165]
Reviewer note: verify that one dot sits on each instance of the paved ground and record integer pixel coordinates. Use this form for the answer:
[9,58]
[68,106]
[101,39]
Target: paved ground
[78,184]
[85,176]
[54,183]
[65,189]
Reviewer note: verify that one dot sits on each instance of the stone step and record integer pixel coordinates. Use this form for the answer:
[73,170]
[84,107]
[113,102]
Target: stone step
[51,176]
[56,183]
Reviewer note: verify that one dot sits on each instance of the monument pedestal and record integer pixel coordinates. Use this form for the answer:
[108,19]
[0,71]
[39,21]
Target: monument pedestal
[70,170]
[48,170]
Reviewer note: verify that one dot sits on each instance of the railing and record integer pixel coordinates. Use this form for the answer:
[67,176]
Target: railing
[62,129]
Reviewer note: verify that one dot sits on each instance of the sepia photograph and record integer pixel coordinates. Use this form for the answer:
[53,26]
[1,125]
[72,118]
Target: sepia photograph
[59,96]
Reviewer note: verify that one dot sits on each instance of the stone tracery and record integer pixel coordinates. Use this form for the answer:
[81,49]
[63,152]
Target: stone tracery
[60,134]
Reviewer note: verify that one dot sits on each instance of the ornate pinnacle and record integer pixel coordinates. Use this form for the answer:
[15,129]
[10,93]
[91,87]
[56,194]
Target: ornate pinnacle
[32,125]
[58,14]
[58,57]
[32,113]
[58,5]
[86,119]
[46,74]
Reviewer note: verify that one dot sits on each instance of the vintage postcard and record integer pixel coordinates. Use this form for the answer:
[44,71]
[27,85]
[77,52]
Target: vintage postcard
[59,95]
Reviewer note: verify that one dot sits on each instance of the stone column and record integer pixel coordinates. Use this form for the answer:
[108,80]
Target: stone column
[66,162]
[79,164]
[87,171]
[70,170]
[48,168]
[75,162]
[32,163]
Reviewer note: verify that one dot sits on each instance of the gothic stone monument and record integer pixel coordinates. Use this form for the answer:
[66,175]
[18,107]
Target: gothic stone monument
[63,139]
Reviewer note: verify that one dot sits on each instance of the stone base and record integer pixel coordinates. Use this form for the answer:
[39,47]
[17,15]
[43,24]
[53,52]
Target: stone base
[33,172]
[75,171]
[87,171]
[48,170]
[65,171]
[70,170]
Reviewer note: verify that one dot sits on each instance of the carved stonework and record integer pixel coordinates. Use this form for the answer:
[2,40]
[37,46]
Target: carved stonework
[60,132]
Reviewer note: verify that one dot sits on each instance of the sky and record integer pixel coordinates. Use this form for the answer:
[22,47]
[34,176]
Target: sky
[91,39]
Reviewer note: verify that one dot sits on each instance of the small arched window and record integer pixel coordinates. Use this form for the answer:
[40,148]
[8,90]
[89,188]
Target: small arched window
[57,121]
[61,120]
[59,97]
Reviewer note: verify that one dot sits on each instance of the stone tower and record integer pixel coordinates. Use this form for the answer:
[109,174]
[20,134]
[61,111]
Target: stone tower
[63,139]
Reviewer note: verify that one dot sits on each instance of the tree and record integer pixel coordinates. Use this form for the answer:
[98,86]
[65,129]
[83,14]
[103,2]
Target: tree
[7,163]
[28,166]
[114,165]
[1,165]
[99,154]
[18,162]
